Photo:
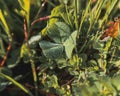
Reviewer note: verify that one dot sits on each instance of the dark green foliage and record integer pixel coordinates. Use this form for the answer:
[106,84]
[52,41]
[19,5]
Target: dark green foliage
[66,53]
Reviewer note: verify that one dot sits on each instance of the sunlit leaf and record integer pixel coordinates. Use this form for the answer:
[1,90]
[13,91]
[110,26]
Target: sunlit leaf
[4,24]
[25,11]
[6,12]
[70,43]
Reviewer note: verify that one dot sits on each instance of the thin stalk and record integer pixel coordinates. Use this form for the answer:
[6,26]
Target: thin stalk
[36,16]
[31,60]
[6,55]
[27,34]
[76,20]
[83,46]
[40,9]
[91,24]
[34,75]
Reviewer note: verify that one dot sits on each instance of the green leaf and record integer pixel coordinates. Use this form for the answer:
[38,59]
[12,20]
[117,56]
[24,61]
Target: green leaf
[33,41]
[4,24]
[61,91]
[24,53]
[52,81]
[62,36]
[62,63]
[59,32]
[84,89]
[98,45]
[74,73]
[116,81]
[51,50]
[70,43]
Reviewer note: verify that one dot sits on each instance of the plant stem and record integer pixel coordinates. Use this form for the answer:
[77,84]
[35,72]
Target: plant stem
[40,9]
[34,75]
[31,59]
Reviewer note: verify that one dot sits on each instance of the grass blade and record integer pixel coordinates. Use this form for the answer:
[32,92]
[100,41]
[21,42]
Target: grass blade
[17,84]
